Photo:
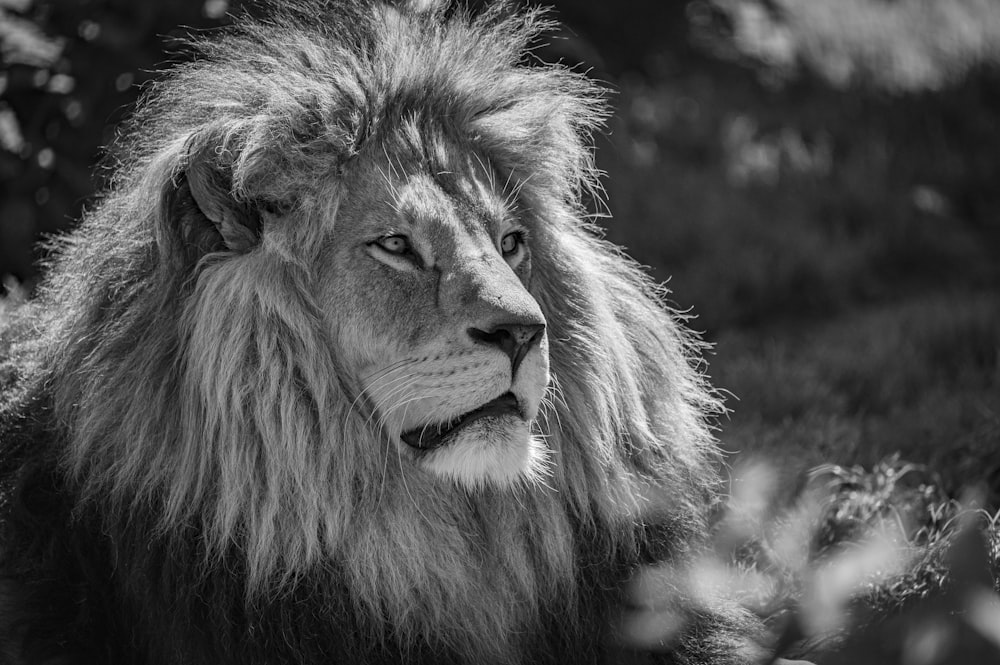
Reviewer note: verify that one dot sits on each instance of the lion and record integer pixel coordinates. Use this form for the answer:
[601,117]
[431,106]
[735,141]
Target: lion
[339,370]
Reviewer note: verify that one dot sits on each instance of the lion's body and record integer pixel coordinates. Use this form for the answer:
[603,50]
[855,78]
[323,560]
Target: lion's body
[196,463]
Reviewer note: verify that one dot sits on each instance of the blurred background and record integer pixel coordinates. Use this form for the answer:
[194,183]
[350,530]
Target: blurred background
[817,182]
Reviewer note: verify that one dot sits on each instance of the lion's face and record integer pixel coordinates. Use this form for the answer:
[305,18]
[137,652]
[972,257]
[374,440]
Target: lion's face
[425,280]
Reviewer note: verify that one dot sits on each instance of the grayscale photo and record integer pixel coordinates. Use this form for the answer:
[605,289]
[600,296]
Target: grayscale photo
[499,332]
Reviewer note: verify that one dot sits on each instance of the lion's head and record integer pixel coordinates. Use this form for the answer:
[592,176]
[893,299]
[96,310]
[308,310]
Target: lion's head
[340,315]
[426,295]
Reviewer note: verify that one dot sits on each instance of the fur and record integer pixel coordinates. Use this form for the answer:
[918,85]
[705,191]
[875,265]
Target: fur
[185,478]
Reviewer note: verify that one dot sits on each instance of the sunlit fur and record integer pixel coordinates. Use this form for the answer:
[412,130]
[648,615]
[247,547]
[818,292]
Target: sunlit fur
[199,405]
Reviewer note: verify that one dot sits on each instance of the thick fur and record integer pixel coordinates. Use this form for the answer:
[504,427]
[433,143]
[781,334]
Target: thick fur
[185,476]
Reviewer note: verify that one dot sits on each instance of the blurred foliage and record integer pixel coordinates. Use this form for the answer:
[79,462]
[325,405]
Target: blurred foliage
[901,45]
[766,203]
[70,72]
[862,566]
[819,183]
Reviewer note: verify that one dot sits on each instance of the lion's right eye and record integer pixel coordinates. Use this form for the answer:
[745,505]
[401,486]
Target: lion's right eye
[395,250]
[398,245]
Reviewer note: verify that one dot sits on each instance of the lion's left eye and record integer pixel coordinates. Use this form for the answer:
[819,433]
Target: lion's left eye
[511,243]
[399,245]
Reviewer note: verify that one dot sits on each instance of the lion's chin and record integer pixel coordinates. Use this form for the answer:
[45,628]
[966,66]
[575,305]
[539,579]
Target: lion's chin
[495,451]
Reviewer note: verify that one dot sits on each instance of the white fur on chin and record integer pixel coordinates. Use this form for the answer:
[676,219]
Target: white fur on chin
[484,454]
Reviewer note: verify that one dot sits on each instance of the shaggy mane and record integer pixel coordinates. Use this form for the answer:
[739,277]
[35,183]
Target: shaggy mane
[201,405]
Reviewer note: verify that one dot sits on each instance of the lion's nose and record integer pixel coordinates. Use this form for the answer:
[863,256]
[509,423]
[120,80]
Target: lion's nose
[514,339]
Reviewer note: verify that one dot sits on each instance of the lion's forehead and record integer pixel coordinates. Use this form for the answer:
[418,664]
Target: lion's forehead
[418,197]
[443,220]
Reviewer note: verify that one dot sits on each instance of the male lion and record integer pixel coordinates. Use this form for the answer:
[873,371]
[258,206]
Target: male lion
[336,372]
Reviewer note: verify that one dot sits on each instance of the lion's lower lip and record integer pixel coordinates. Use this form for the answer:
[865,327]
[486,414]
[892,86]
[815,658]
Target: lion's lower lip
[432,436]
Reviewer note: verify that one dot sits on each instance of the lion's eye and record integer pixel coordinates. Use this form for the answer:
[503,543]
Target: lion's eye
[511,243]
[399,245]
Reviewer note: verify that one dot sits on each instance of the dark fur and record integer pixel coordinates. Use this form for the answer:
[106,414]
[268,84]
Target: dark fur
[120,539]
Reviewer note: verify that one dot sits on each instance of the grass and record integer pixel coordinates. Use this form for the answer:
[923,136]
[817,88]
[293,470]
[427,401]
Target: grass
[918,377]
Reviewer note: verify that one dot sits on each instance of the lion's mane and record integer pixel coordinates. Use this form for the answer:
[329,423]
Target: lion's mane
[182,470]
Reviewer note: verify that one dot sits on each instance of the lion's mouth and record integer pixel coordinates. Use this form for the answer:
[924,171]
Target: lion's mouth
[428,437]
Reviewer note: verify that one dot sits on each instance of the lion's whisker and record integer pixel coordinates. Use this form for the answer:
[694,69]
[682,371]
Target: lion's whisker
[487,171]
[402,169]
[389,445]
[402,471]
[387,180]
[546,409]
[549,405]
[506,184]
[380,376]
[555,388]
[374,377]
[388,159]
[401,385]
[516,192]
[510,197]
[385,470]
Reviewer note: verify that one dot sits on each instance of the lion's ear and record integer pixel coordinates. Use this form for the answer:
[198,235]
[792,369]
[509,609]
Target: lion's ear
[237,224]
